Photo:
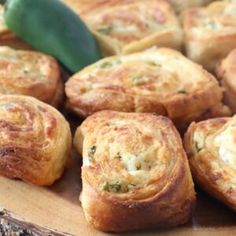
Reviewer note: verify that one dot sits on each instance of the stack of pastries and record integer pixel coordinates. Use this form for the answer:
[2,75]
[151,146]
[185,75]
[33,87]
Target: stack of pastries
[137,172]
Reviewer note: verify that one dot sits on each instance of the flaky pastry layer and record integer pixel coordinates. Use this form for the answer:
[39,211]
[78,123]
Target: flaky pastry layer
[135,173]
[157,80]
[180,5]
[211,148]
[128,26]
[210,32]
[35,140]
[30,73]
[226,73]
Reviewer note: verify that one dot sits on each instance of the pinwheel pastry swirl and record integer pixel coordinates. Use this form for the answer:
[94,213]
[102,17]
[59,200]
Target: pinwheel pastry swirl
[157,80]
[211,148]
[226,73]
[7,37]
[210,32]
[135,174]
[35,140]
[30,73]
[129,26]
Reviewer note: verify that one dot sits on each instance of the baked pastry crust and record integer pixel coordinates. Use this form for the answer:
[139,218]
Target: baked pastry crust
[157,80]
[180,5]
[35,140]
[210,32]
[210,146]
[226,72]
[30,73]
[135,174]
[128,26]
[8,38]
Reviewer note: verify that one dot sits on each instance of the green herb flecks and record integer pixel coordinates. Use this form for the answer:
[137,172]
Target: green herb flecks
[106,65]
[118,156]
[25,71]
[109,64]
[105,30]
[91,152]
[198,146]
[211,24]
[182,91]
[114,187]
[153,63]
[117,187]
[131,186]
[138,79]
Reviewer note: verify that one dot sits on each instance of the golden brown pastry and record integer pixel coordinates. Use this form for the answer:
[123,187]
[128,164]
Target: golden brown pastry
[30,73]
[180,5]
[135,174]
[35,140]
[82,7]
[210,32]
[131,26]
[157,80]
[7,37]
[226,73]
[211,148]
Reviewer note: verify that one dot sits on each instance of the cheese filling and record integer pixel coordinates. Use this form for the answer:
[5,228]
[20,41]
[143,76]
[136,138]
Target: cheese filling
[141,20]
[128,158]
[226,142]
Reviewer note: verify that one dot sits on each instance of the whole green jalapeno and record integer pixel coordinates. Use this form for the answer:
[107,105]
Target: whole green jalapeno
[52,27]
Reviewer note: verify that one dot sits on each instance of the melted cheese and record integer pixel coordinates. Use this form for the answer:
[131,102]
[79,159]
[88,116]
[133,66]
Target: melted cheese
[226,142]
[128,153]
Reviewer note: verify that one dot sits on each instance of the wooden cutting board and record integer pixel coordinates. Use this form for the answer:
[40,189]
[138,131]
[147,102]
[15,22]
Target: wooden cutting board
[58,207]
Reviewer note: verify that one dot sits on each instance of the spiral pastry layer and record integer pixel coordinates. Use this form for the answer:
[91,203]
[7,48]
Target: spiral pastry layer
[226,72]
[131,25]
[157,80]
[135,173]
[211,148]
[35,140]
[210,32]
[30,73]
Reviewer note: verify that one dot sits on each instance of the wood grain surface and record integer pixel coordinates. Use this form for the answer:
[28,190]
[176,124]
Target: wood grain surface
[58,207]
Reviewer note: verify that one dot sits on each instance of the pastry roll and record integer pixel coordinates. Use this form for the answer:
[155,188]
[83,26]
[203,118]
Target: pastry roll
[180,5]
[211,148]
[7,37]
[226,73]
[156,80]
[83,7]
[210,32]
[135,174]
[30,73]
[132,26]
[35,140]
